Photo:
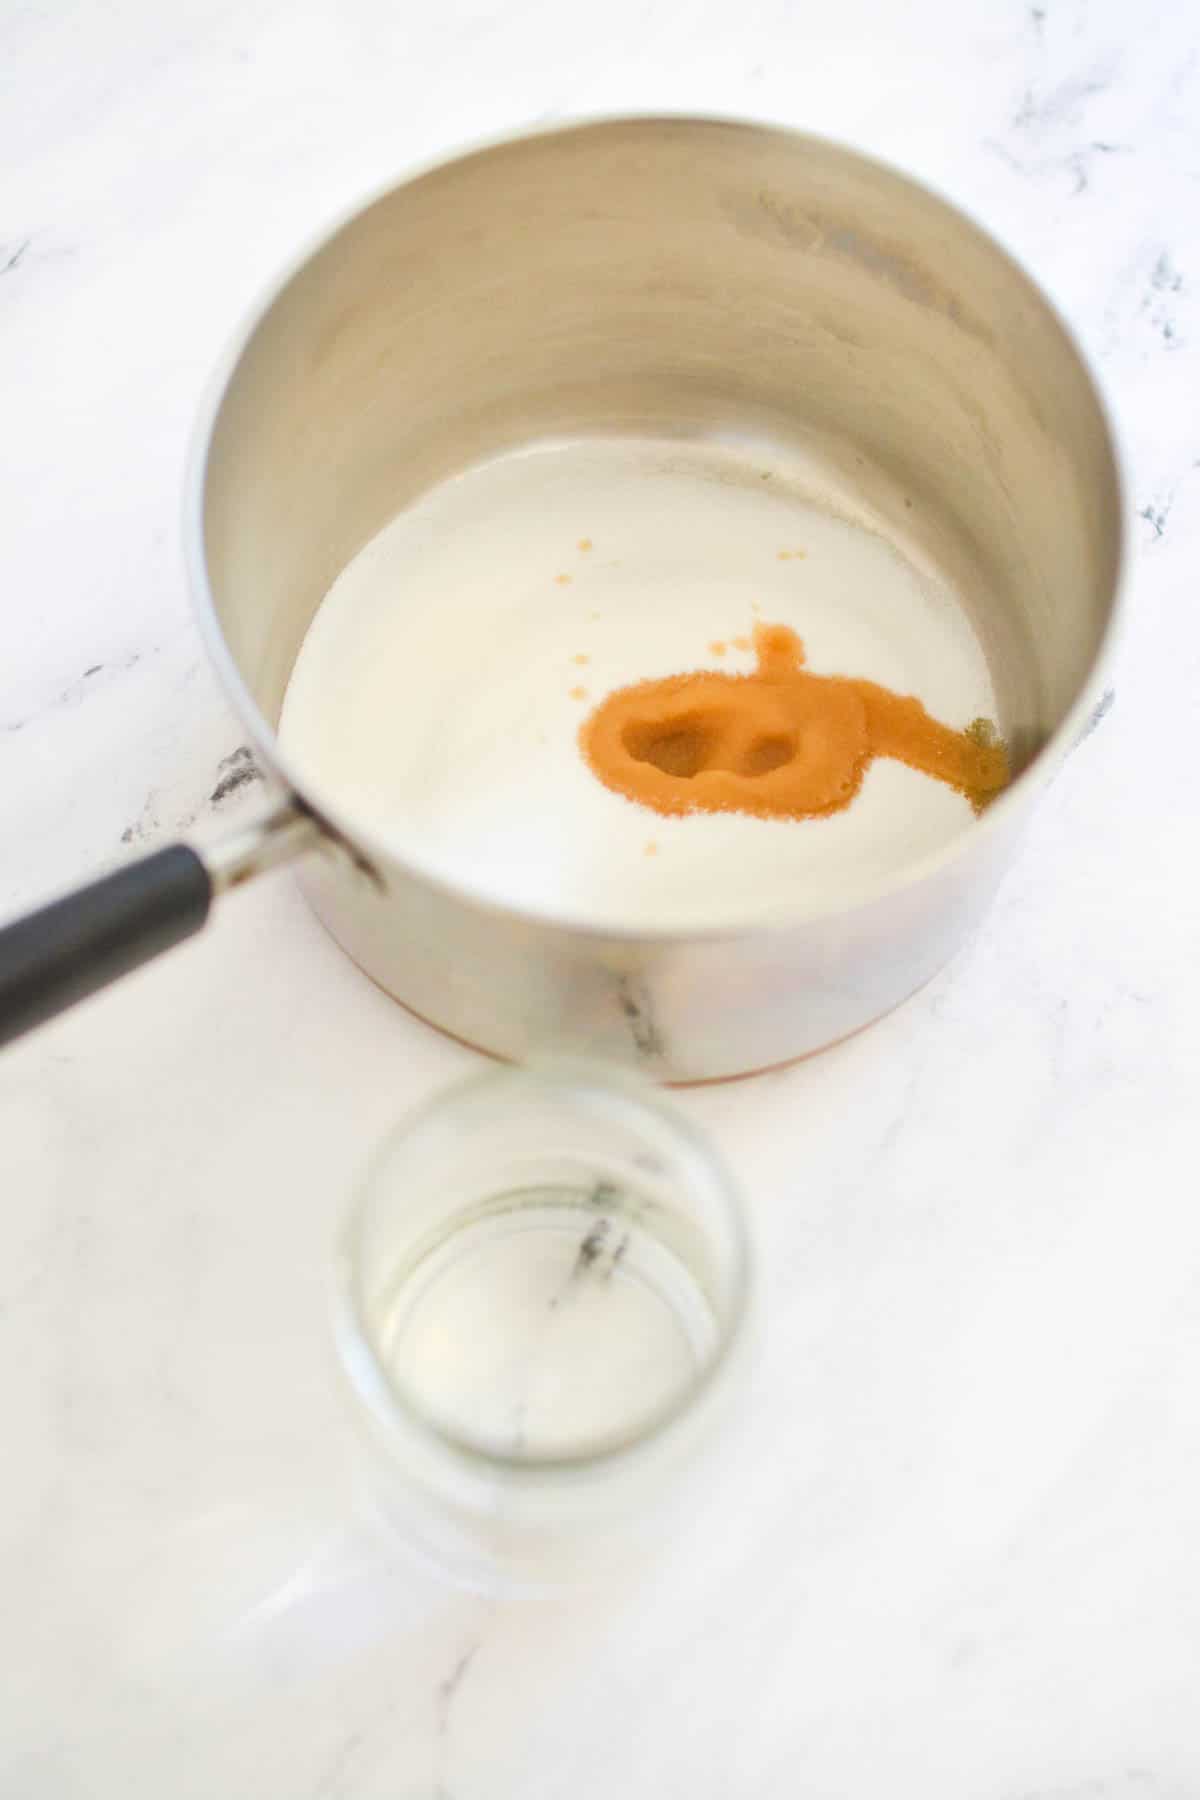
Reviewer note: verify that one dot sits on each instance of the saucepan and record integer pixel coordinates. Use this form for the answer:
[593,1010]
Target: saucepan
[670,281]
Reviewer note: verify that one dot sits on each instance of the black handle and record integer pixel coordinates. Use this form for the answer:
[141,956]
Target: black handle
[70,948]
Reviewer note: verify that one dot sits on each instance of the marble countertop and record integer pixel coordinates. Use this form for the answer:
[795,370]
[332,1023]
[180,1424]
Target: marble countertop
[961,1563]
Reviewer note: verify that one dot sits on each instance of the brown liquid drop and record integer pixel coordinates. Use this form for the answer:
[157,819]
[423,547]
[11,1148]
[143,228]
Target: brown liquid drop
[780,743]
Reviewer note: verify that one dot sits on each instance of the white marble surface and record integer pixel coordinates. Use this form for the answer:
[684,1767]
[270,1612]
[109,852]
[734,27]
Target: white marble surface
[960,1558]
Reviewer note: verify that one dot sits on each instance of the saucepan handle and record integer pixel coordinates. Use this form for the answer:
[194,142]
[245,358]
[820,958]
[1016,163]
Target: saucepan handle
[74,946]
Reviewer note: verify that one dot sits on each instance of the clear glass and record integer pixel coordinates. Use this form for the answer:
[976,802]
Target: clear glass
[541,1289]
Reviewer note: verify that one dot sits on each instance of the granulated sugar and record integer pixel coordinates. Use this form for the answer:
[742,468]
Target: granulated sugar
[439,692]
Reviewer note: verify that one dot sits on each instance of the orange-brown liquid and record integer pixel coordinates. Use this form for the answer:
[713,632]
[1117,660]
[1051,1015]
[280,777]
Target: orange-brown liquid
[780,743]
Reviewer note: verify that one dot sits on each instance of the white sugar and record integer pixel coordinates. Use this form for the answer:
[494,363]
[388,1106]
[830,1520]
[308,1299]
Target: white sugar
[434,695]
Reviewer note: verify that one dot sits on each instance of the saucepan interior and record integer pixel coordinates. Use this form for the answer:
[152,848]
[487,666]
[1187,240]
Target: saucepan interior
[777,308]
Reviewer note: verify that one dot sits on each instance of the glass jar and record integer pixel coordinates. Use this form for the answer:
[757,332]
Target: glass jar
[542,1292]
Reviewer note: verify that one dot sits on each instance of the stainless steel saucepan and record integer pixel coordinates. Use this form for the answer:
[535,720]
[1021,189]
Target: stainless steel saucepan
[659,276]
